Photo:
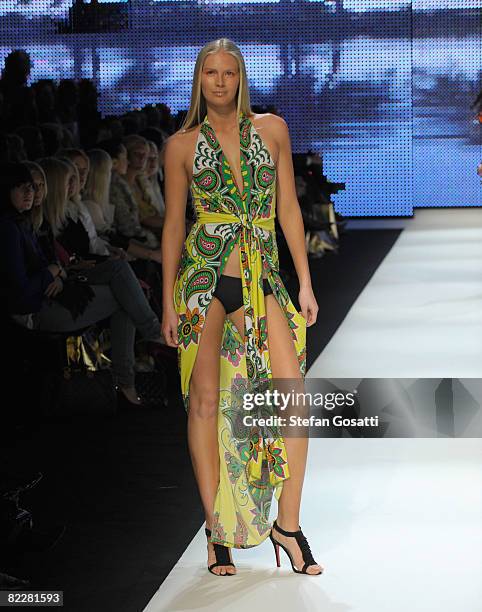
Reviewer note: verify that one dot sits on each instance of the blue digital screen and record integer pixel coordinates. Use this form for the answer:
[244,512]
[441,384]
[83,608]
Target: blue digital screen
[381,89]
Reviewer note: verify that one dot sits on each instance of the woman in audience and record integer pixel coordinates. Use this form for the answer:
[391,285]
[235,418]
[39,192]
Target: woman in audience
[96,191]
[143,189]
[39,182]
[155,176]
[97,199]
[70,235]
[79,234]
[154,135]
[40,226]
[57,178]
[29,284]
[81,161]
[124,190]
[126,219]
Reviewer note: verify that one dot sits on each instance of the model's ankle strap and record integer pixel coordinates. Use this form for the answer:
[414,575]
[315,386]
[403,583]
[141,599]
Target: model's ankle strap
[286,533]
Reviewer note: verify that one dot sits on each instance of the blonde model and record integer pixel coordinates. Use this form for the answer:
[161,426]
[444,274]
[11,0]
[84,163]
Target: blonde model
[227,310]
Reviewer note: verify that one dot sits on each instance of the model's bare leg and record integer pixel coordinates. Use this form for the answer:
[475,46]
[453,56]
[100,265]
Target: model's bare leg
[203,418]
[284,364]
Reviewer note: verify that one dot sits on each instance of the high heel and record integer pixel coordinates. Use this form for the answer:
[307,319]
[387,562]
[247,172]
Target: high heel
[302,543]
[222,556]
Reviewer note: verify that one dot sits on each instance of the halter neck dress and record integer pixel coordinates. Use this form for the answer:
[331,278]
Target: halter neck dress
[253,460]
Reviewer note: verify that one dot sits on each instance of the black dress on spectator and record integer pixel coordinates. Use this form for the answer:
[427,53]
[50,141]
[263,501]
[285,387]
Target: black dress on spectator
[45,238]
[75,239]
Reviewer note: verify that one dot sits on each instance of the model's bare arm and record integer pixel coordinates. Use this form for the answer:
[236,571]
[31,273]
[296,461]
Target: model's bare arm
[287,207]
[174,229]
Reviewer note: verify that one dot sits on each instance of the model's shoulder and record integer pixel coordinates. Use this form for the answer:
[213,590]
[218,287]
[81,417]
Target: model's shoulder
[183,138]
[271,122]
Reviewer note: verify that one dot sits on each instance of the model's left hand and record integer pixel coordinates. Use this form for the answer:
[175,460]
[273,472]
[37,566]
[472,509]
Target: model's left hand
[308,304]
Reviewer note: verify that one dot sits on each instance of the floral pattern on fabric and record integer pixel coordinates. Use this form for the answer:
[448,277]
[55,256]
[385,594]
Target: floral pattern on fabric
[253,461]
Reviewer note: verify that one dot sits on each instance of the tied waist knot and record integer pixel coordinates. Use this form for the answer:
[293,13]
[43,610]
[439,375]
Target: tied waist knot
[244,220]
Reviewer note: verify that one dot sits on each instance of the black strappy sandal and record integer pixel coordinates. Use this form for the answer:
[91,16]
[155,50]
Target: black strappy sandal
[302,543]
[222,556]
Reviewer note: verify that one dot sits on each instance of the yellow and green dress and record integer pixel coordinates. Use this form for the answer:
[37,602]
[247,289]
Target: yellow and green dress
[253,460]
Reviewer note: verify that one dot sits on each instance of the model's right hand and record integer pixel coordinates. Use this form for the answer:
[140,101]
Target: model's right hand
[169,323]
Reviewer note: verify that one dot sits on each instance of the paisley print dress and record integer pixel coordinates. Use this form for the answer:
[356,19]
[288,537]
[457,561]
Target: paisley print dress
[253,460]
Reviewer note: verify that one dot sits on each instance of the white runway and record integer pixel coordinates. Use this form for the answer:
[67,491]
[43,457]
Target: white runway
[397,523]
[420,316]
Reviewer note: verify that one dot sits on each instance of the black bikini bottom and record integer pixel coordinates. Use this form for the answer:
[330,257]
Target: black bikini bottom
[229,292]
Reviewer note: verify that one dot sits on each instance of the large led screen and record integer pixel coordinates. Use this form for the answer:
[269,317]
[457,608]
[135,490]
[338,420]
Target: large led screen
[383,90]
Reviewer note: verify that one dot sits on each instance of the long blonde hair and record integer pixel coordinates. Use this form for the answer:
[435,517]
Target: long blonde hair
[56,172]
[98,182]
[36,214]
[132,141]
[198,108]
[76,197]
[71,154]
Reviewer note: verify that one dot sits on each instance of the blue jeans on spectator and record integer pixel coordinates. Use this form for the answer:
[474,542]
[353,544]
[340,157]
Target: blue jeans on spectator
[118,295]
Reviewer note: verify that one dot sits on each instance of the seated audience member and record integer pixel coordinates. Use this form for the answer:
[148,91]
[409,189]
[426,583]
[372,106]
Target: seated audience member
[98,244]
[81,161]
[40,226]
[53,250]
[150,185]
[154,135]
[79,234]
[96,191]
[137,154]
[31,288]
[103,162]
[126,214]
